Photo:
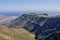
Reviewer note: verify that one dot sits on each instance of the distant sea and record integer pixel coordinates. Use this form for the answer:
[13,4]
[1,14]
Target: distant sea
[19,13]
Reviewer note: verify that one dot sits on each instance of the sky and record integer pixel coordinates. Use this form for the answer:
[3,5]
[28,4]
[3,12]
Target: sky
[29,5]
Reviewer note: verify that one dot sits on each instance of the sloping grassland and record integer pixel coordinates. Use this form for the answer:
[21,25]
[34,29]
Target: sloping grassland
[14,34]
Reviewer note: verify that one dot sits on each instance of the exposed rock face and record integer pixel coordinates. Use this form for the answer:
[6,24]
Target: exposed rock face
[44,27]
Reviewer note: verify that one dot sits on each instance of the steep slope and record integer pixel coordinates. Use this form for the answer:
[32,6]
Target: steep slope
[27,21]
[30,22]
[44,27]
[14,34]
[50,30]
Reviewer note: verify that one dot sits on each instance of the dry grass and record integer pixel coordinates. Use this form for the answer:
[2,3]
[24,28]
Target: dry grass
[14,34]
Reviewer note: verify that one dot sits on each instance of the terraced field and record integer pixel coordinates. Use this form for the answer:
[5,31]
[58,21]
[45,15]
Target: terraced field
[14,34]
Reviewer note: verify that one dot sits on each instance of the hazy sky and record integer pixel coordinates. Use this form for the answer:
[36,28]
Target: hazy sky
[20,5]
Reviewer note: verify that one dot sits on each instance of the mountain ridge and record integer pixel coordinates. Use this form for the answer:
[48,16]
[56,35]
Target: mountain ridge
[39,24]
